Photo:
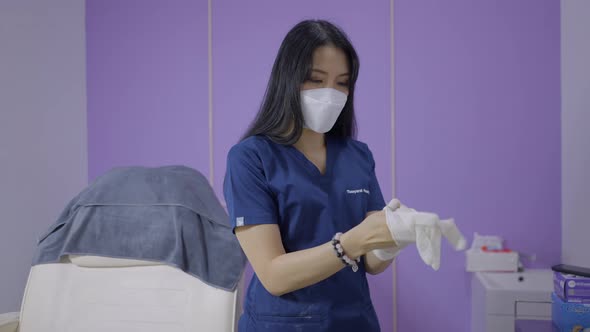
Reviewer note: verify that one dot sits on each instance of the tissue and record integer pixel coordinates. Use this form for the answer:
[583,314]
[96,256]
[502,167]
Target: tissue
[487,253]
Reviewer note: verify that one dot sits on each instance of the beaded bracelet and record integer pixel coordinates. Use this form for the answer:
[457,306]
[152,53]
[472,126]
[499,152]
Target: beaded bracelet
[340,253]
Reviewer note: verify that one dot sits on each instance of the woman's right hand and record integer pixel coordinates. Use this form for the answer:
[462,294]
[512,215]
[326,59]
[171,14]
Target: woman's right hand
[379,235]
[372,233]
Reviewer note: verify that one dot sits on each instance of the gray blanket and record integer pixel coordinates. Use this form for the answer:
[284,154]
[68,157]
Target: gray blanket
[168,214]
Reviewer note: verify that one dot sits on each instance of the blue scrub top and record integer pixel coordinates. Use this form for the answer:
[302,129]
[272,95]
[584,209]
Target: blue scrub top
[270,183]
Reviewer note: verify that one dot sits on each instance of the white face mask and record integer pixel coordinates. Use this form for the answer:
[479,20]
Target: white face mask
[321,108]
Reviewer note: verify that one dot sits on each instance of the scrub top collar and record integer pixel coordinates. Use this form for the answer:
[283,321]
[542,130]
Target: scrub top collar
[311,167]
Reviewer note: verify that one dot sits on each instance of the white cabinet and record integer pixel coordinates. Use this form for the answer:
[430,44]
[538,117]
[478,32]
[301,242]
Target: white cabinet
[511,301]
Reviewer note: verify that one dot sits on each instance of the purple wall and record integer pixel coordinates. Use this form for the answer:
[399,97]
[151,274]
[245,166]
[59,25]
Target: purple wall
[477,138]
[147,84]
[246,38]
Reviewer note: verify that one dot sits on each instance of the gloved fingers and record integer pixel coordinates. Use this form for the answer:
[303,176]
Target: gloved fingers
[404,208]
[426,219]
[436,248]
[393,205]
[424,244]
[452,233]
[428,243]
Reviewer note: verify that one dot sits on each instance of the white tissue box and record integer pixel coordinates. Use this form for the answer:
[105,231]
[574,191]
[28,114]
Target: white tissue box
[479,261]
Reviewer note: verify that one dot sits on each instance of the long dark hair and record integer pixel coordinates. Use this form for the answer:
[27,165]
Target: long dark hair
[280,117]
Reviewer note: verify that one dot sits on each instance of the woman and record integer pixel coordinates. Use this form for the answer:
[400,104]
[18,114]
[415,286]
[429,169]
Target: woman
[303,195]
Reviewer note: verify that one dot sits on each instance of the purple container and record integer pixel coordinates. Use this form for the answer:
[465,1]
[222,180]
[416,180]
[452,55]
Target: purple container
[571,288]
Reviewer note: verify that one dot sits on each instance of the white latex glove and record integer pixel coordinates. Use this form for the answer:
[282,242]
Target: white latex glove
[409,226]
[389,253]
[399,221]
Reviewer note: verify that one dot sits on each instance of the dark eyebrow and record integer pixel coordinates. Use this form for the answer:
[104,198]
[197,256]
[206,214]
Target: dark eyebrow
[326,73]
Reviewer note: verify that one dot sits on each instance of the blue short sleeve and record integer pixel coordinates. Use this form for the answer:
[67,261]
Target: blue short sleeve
[376,201]
[249,199]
